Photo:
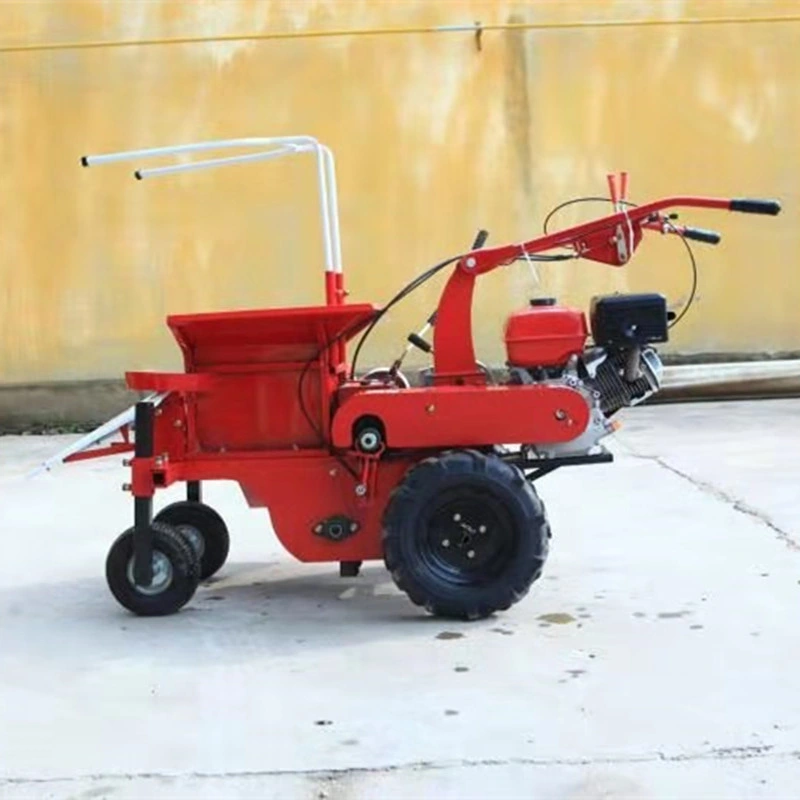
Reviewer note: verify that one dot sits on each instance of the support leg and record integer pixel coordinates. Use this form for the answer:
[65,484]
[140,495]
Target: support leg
[143,506]
[194,492]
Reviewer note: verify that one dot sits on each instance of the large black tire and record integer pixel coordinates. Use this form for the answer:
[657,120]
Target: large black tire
[176,573]
[207,532]
[465,535]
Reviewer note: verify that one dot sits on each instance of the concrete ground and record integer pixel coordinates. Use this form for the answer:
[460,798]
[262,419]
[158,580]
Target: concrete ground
[658,657]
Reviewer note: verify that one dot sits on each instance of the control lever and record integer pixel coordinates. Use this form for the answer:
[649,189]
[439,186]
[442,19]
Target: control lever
[700,235]
[418,339]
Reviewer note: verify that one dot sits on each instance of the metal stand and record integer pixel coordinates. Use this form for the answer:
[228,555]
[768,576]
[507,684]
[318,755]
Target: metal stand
[194,492]
[143,506]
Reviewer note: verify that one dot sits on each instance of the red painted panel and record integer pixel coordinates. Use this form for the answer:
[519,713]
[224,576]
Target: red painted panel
[463,416]
[300,491]
[169,382]
[281,334]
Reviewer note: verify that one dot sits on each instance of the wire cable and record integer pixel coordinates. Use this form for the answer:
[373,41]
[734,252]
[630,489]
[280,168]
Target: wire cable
[476,28]
[675,230]
[403,293]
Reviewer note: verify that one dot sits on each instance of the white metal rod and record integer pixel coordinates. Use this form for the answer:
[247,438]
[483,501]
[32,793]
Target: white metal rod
[333,206]
[172,169]
[326,174]
[105,430]
[197,147]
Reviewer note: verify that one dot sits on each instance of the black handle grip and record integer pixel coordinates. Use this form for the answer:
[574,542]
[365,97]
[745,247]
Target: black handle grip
[480,239]
[419,342]
[701,235]
[747,206]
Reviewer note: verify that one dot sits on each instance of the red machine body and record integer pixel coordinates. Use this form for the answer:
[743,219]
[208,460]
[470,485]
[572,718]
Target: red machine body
[268,399]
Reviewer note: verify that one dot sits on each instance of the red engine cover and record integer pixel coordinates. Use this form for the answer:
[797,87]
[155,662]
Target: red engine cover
[544,335]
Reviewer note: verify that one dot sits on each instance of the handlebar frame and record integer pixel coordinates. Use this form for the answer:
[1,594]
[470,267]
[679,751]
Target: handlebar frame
[611,239]
[591,240]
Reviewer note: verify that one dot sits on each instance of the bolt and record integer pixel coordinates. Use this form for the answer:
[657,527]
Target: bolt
[126,487]
[561,414]
[333,473]
[456,517]
[431,408]
[126,462]
[470,554]
[318,528]
[445,543]
[159,461]
[471,262]
[481,529]
[353,527]
[361,490]
[178,423]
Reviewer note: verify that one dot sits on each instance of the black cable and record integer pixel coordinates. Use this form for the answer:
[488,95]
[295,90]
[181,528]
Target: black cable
[415,284]
[580,200]
[301,399]
[686,244]
[403,293]
[693,261]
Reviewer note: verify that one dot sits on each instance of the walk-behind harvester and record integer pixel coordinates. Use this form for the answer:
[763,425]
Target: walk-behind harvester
[435,478]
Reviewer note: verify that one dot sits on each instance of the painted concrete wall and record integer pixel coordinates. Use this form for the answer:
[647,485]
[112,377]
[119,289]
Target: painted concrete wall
[433,139]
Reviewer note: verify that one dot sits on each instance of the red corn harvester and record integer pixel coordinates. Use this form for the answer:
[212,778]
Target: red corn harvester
[436,478]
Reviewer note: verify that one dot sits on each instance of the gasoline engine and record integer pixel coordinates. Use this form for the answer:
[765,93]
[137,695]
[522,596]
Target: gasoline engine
[610,361]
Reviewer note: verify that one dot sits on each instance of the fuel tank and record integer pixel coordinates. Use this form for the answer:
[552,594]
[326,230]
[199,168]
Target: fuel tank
[545,334]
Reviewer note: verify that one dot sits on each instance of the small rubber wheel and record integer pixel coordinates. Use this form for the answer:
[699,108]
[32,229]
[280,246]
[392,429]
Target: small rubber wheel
[465,535]
[176,573]
[205,530]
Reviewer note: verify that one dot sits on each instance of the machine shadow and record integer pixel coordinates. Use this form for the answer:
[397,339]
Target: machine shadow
[291,613]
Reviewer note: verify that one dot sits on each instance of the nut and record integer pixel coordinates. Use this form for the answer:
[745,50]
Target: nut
[560,414]
[361,490]
[470,263]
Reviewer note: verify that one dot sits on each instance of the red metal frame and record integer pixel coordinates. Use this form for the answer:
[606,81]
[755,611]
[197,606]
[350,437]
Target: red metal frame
[265,399]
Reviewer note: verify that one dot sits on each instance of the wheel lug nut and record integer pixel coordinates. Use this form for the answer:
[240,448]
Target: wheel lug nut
[482,529]
[470,554]
[445,543]
[456,517]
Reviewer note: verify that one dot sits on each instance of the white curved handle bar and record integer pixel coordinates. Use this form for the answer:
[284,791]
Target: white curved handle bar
[276,147]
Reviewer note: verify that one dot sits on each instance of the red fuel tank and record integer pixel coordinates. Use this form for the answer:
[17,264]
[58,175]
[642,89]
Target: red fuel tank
[544,335]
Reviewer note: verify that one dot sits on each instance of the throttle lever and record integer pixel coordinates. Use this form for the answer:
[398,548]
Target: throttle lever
[699,235]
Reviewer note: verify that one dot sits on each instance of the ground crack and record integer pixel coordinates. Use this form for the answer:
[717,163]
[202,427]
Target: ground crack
[734,502]
[714,754]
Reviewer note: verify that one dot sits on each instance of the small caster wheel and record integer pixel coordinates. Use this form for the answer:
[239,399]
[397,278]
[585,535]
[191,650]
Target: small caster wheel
[204,529]
[176,573]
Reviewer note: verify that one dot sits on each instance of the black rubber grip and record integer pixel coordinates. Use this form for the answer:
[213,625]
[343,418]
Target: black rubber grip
[770,207]
[419,342]
[702,235]
[480,239]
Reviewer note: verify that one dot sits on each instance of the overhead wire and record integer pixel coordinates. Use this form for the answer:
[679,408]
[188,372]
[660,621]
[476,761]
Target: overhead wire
[475,27]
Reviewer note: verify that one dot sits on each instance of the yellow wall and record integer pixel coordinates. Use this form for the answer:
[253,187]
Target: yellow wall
[433,139]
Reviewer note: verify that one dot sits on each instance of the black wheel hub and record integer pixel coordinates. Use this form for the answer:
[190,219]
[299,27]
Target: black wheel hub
[468,536]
